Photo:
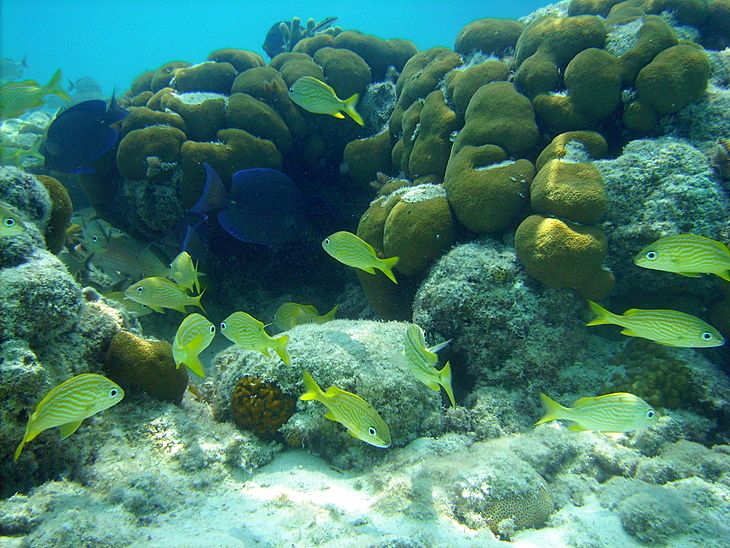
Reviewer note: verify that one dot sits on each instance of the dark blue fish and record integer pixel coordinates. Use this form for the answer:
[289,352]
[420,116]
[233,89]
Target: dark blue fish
[264,206]
[81,135]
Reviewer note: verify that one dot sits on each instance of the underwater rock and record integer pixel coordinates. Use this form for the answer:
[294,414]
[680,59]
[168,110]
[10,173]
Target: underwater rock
[258,118]
[344,70]
[61,209]
[363,159]
[490,36]
[210,77]
[204,113]
[293,66]
[592,143]
[260,407]
[379,54]
[432,145]
[463,82]
[241,59]
[143,116]
[161,142]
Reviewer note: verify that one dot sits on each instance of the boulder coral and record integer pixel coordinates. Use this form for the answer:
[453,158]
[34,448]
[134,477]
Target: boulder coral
[490,36]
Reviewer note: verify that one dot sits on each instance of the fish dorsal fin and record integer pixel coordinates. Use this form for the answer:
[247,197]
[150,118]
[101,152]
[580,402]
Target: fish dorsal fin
[632,312]
[582,401]
[69,428]
[215,195]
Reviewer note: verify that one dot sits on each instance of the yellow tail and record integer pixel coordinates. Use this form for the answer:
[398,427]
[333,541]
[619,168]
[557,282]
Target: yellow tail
[603,316]
[196,301]
[313,391]
[331,314]
[349,107]
[19,449]
[195,365]
[553,410]
[386,266]
[445,382]
[280,348]
[53,87]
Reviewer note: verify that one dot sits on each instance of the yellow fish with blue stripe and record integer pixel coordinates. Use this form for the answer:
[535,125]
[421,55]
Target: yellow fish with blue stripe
[290,315]
[619,412]
[135,308]
[686,254]
[10,223]
[69,403]
[667,327]
[350,410]
[421,361]
[315,96]
[194,335]
[249,333]
[17,98]
[352,250]
[184,272]
[159,293]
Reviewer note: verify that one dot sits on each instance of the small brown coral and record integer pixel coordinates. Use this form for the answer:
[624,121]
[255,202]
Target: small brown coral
[260,407]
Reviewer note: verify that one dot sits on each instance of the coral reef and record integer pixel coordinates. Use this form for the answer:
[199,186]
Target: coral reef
[260,407]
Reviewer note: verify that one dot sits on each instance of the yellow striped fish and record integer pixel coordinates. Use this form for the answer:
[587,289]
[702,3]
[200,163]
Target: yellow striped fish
[68,404]
[249,333]
[17,98]
[135,308]
[290,315]
[10,223]
[350,410]
[619,412]
[668,327]
[184,272]
[159,293]
[315,96]
[686,254]
[421,362]
[351,250]
[194,335]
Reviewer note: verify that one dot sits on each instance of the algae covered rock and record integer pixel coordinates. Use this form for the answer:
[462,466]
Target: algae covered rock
[161,142]
[461,84]
[365,158]
[490,36]
[143,116]
[259,119]
[560,38]
[203,113]
[487,192]
[499,115]
[293,66]
[142,365]
[432,145]
[564,255]
[344,70]
[593,80]
[639,48]
[592,143]
[61,210]
[208,77]
[241,59]
[379,54]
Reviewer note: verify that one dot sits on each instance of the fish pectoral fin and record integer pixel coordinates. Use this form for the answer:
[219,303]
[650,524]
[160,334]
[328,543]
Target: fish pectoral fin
[69,428]
[330,416]
[157,309]
[690,274]
[575,427]
[630,333]
[724,275]
[368,269]
[338,115]
[433,385]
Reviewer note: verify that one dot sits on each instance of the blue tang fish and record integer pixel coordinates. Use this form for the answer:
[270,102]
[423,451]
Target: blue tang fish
[82,134]
[264,206]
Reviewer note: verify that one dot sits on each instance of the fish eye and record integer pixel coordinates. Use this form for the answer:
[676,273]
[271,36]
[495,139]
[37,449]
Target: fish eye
[326,241]
[650,414]
[372,431]
[9,222]
[140,289]
[651,255]
[706,336]
[291,89]
[212,329]
[223,326]
[95,238]
[113,392]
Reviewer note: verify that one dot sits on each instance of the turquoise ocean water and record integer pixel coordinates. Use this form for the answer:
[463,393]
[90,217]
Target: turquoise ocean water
[114,41]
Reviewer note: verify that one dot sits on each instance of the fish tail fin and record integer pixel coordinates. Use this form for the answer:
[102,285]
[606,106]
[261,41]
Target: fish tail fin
[313,391]
[603,316]
[331,314]
[19,449]
[349,108]
[725,275]
[196,300]
[193,363]
[280,348]
[53,87]
[386,266]
[445,382]
[553,410]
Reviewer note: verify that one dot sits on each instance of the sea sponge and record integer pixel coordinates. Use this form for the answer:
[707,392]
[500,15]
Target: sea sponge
[61,210]
[204,113]
[293,66]
[570,190]
[210,77]
[561,254]
[344,70]
[143,116]
[241,59]
[637,48]
[676,77]
[365,158]
[592,143]
[487,193]
[593,81]
[379,54]
[432,146]
[419,227]
[260,406]
[162,142]
[421,75]
[461,84]
[490,36]
[142,365]
[259,119]
[560,38]
[499,115]
[686,12]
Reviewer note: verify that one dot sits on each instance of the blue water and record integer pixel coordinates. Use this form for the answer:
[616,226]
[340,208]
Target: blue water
[114,41]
